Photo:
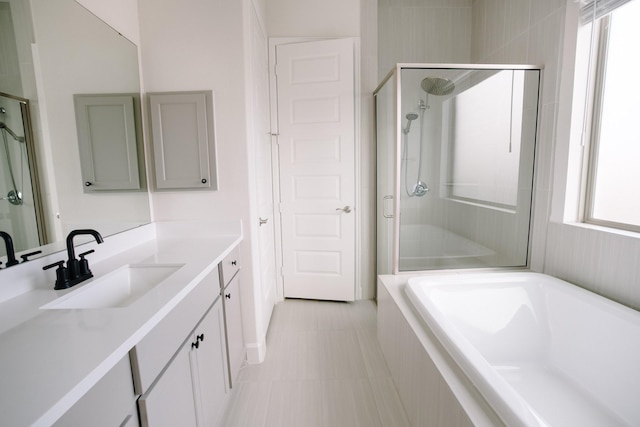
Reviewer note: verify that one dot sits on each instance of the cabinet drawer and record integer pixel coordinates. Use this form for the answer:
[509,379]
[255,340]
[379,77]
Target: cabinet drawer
[230,266]
[154,351]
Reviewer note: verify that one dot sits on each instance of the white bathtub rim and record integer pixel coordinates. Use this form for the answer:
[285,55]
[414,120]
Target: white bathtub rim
[510,406]
[504,400]
[479,412]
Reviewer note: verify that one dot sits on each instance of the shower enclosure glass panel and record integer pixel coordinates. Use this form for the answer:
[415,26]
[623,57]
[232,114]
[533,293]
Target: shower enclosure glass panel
[20,206]
[462,141]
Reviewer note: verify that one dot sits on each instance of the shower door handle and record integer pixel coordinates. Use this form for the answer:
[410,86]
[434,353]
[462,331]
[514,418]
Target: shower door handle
[346,209]
[384,205]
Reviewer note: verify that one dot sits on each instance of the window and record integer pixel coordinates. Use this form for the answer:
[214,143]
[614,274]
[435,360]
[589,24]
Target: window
[612,196]
[490,137]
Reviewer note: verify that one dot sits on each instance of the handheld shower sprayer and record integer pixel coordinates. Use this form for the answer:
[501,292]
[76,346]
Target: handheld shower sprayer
[410,117]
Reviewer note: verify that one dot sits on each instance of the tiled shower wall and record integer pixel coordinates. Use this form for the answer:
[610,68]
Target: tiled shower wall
[424,31]
[519,32]
[527,32]
[532,31]
[480,31]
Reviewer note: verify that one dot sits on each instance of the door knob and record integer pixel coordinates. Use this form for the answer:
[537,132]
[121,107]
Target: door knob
[346,209]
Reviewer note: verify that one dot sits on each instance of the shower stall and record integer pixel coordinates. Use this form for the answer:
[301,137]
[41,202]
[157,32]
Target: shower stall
[20,202]
[455,157]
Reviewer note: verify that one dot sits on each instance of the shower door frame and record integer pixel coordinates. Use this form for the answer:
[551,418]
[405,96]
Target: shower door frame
[32,162]
[396,73]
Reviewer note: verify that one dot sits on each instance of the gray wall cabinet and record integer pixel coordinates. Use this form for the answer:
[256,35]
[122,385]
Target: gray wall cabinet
[108,142]
[182,128]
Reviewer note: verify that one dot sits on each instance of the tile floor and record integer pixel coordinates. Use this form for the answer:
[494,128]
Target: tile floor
[323,367]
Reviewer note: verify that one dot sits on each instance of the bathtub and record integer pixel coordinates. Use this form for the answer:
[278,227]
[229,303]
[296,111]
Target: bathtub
[424,246]
[541,351]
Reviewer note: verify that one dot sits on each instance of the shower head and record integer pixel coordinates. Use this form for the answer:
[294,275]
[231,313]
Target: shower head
[410,117]
[437,86]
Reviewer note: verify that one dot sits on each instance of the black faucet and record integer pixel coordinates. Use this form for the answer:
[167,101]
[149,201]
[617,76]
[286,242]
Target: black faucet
[79,269]
[11,254]
[76,270]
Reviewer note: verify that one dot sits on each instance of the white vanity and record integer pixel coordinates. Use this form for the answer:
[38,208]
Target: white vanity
[169,355]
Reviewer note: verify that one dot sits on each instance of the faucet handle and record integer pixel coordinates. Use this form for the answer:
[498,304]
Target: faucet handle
[55,264]
[85,272]
[25,257]
[62,275]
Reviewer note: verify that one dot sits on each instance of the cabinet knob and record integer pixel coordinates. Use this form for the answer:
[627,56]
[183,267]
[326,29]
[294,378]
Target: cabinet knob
[88,184]
[228,296]
[204,180]
[234,262]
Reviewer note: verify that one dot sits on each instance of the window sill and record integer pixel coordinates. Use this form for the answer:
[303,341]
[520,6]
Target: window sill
[603,229]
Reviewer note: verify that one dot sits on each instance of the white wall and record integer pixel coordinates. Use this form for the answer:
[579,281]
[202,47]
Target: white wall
[309,18]
[199,45]
[120,14]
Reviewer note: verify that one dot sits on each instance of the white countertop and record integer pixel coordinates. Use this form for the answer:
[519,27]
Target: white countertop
[51,358]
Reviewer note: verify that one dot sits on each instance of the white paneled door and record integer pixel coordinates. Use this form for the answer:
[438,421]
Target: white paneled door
[316,142]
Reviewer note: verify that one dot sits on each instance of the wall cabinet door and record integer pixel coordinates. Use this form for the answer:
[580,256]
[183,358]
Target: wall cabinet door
[107,141]
[233,324]
[182,128]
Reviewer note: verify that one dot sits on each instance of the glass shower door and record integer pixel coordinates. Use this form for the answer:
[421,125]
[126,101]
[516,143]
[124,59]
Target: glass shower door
[466,173]
[385,173]
[458,144]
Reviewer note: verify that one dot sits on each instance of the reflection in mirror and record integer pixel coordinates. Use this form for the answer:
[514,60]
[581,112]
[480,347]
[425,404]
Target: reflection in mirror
[59,49]
[464,172]
[21,213]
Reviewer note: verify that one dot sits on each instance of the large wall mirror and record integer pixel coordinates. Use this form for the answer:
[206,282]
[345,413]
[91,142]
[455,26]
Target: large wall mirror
[51,51]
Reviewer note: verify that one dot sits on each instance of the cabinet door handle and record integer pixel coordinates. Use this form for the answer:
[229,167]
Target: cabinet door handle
[228,296]
[195,344]
[200,337]
[234,262]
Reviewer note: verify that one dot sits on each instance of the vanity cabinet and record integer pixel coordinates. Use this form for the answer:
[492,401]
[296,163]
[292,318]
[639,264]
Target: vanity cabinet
[230,288]
[182,129]
[208,367]
[180,367]
[110,402]
[191,390]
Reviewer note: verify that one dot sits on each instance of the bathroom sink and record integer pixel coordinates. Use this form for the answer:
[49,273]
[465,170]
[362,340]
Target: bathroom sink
[119,288]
